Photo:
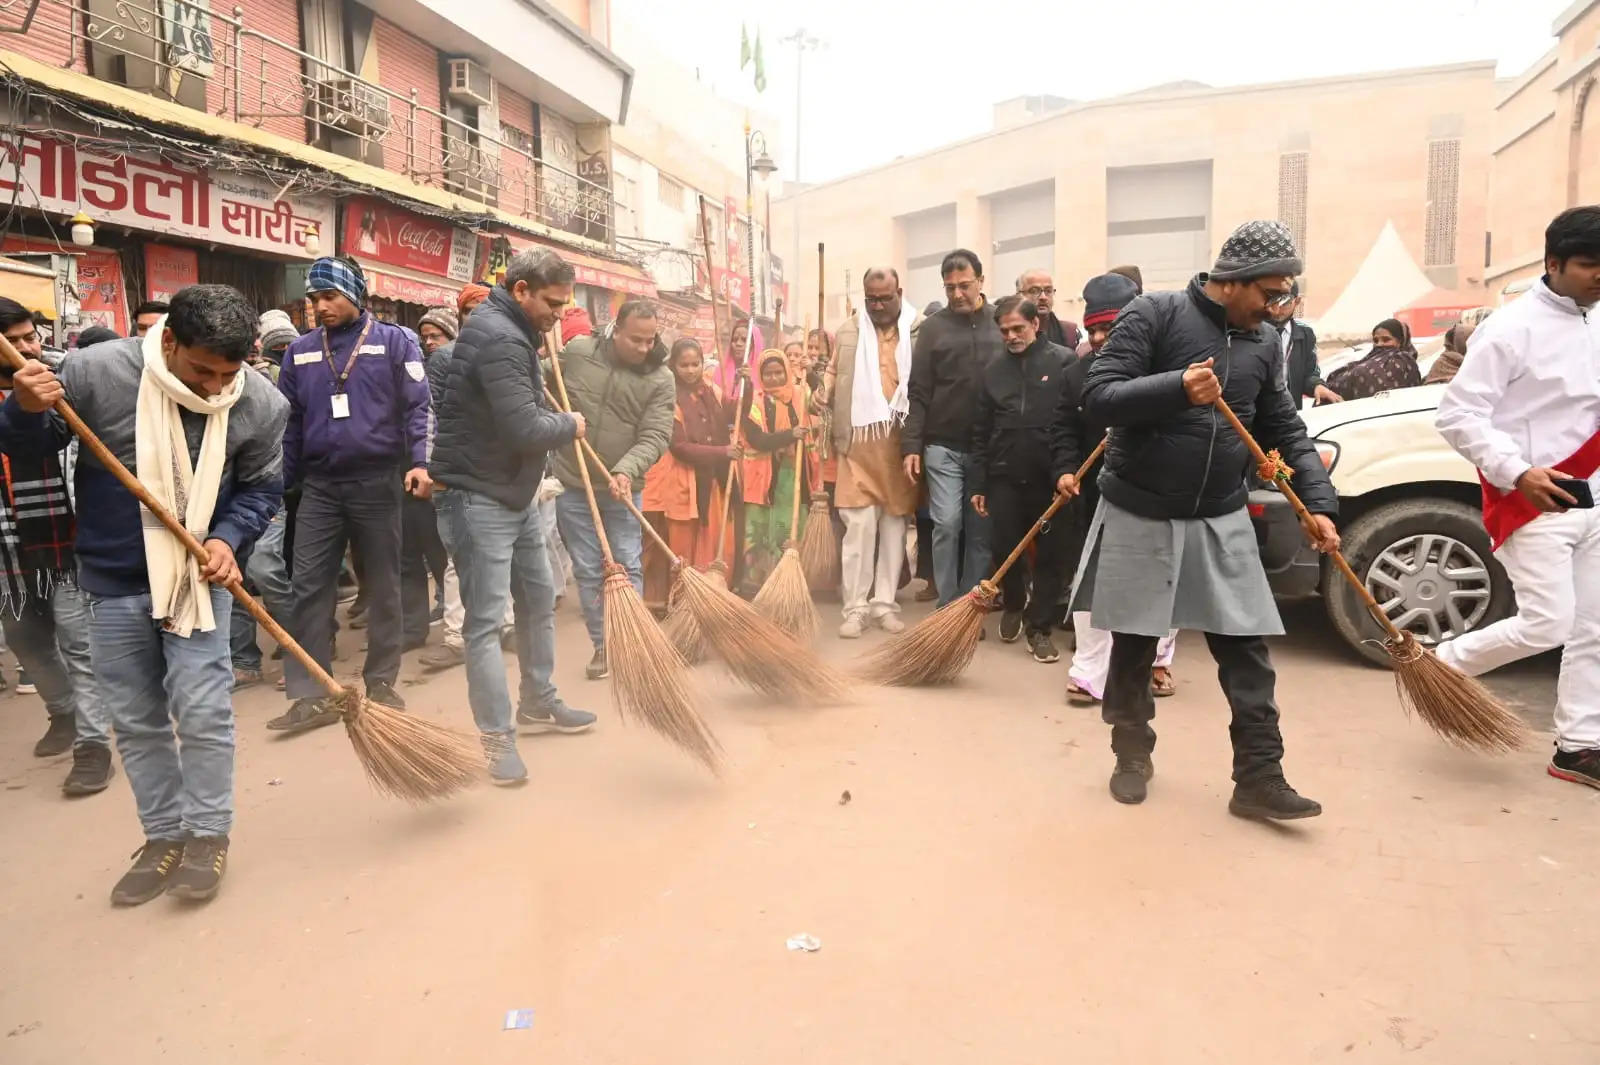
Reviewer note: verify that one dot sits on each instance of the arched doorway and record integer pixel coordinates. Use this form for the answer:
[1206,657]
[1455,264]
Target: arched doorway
[1583,162]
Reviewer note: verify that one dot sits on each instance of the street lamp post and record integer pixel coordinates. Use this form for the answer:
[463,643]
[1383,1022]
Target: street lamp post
[757,163]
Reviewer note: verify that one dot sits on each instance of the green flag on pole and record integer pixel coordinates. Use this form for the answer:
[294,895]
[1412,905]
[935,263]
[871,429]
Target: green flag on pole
[744,47]
[761,66]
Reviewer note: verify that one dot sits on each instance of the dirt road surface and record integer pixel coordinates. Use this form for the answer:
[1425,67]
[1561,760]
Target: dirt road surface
[979,899]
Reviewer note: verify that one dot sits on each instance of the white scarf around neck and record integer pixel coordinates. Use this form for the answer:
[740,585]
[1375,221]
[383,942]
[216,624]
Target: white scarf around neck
[872,415]
[178,595]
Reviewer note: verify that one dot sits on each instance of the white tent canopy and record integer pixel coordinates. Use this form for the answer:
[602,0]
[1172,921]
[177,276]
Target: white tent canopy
[1387,280]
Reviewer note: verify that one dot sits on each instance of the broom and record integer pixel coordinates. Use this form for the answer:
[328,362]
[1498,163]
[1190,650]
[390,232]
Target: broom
[404,756]
[938,648]
[819,550]
[1454,705]
[756,651]
[785,597]
[648,676]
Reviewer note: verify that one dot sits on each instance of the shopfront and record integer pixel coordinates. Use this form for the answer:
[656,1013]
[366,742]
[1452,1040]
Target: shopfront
[601,285]
[412,262]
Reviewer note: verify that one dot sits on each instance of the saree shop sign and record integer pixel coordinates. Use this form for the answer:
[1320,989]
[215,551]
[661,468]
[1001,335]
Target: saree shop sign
[234,209]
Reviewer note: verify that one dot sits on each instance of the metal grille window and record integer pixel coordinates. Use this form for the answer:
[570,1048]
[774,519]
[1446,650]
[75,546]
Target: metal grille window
[1292,171]
[1444,198]
[670,191]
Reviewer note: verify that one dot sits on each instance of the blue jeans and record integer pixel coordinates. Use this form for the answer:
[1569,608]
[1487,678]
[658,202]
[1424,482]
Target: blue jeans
[183,783]
[950,504]
[494,546]
[268,574]
[588,563]
[51,641]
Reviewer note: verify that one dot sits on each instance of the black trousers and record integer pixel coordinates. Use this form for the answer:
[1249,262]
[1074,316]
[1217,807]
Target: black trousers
[421,553]
[332,514]
[1245,674]
[1013,508]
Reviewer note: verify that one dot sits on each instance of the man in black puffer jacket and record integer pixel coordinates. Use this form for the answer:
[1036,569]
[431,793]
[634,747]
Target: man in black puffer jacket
[1172,545]
[489,454]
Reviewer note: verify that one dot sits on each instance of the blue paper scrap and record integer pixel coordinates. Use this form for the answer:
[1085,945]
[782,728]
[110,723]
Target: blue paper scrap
[518,1019]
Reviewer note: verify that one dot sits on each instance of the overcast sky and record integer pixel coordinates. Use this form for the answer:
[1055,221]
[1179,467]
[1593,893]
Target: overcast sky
[886,83]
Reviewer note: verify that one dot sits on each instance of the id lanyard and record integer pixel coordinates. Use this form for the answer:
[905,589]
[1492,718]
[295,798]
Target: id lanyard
[340,401]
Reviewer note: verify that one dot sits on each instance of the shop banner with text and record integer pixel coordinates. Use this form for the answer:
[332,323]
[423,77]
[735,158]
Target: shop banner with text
[378,232]
[168,269]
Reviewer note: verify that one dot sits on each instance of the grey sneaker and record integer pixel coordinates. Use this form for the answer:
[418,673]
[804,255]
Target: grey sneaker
[245,678]
[153,865]
[58,736]
[1010,626]
[379,692]
[1043,648]
[558,718]
[205,859]
[92,770]
[505,765]
[444,656]
[597,668]
[304,715]
[1271,799]
[1128,780]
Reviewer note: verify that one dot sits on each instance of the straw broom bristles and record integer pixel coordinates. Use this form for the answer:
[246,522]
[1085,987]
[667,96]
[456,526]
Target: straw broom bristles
[1455,706]
[935,650]
[756,651]
[647,673]
[785,598]
[408,757]
[819,551]
[681,626]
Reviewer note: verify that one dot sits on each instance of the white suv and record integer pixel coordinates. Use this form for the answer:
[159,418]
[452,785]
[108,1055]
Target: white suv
[1410,518]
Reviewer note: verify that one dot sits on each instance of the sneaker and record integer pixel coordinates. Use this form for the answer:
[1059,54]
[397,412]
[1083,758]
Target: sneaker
[58,737]
[382,693]
[1577,767]
[245,678]
[1271,799]
[1128,780]
[153,865]
[24,685]
[1041,646]
[505,764]
[1010,626]
[205,858]
[92,770]
[891,623]
[927,593]
[304,715]
[558,718]
[444,656]
[852,628]
[597,668]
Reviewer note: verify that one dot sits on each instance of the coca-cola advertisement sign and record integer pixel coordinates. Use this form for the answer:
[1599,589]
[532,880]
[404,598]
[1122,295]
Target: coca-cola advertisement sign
[382,234]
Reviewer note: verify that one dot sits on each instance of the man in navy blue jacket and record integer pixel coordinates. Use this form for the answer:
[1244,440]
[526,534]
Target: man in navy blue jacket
[357,434]
[163,662]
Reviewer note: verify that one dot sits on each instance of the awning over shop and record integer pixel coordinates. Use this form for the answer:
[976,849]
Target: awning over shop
[592,270]
[32,286]
[403,286]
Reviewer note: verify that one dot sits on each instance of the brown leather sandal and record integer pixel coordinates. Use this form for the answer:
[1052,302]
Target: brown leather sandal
[1161,683]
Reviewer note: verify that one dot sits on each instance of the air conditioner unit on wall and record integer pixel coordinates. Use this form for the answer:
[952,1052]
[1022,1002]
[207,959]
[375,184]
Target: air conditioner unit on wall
[346,105]
[469,83]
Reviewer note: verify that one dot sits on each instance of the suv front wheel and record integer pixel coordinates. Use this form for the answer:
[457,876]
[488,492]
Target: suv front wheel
[1427,562]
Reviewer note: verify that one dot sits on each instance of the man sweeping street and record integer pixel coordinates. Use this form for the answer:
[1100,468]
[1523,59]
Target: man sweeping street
[1171,544]
[1525,410]
[621,384]
[866,387]
[204,433]
[358,436]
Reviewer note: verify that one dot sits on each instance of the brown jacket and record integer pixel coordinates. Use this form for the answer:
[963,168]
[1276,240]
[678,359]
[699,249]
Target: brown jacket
[839,382]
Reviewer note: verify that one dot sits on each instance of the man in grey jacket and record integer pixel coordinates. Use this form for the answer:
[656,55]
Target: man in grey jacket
[619,382]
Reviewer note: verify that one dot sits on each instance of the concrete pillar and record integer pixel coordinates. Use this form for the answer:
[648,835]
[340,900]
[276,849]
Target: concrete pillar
[973,230]
[1080,221]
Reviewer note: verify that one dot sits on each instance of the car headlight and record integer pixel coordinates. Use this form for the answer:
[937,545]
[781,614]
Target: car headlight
[1328,452]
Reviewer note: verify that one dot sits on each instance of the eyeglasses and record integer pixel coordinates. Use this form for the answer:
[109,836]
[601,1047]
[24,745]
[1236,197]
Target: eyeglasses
[879,301]
[1036,291]
[1275,299]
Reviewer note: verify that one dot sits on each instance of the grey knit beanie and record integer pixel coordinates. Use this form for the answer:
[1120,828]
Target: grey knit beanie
[1257,249]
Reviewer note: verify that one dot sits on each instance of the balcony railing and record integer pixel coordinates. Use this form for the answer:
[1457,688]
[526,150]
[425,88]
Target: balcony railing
[183,51]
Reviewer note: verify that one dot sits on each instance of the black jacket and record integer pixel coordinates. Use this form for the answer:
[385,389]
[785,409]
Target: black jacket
[1074,434]
[1063,334]
[1304,373]
[950,351]
[494,428]
[1169,459]
[1018,396]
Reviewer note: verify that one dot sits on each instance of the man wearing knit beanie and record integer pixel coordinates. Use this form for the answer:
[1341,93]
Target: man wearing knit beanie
[437,328]
[1173,485]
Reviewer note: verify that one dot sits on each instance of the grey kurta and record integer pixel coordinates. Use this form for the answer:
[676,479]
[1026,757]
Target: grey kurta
[1149,576]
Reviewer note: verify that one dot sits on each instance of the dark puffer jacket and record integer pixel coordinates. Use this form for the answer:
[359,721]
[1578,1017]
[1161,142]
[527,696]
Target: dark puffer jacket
[946,363]
[1170,459]
[494,428]
[1017,400]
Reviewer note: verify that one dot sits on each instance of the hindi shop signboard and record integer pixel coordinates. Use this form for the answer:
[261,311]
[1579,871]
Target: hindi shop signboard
[169,269]
[379,232]
[238,210]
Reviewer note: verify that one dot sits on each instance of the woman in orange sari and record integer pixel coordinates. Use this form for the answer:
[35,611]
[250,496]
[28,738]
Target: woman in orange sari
[683,491]
[774,423]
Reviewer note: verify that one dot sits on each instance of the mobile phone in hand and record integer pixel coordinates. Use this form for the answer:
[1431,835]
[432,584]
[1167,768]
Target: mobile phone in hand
[1578,490]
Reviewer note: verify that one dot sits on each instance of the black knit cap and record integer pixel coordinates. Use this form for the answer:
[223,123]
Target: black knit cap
[1104,297]
[1257,249]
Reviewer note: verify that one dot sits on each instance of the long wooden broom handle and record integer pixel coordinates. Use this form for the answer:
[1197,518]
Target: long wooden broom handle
[583,467]
[1049,512]
[14,359]
[600,464]
[1281,482]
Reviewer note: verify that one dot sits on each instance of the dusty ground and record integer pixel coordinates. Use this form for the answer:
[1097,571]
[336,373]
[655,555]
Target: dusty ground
[980,899]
